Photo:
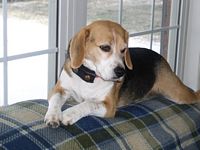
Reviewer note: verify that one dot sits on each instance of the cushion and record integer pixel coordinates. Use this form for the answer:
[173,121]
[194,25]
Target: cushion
[154,123]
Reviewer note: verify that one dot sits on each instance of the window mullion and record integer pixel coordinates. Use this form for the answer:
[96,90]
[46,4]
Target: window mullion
[154,30]
[120,11]
[152,22]
[182,38]
[52,44]
[5,63]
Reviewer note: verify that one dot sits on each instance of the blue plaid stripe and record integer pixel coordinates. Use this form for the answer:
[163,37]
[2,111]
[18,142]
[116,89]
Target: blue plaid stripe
[25,137]
[156,123]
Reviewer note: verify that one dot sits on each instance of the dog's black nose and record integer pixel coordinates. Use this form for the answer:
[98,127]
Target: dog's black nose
[119,71]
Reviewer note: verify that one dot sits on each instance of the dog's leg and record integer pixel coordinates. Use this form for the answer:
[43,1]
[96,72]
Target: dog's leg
[75,113]
[106,108]
[58,98]
[170,85]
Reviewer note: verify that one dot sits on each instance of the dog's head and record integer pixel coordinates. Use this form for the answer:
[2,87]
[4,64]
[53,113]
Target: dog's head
[103,47]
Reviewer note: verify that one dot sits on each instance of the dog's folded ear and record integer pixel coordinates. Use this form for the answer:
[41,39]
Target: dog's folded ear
[77,48]
[127,56]
[128,61]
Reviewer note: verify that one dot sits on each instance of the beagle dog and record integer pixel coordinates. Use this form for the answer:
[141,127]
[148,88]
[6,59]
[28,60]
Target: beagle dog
[102,73]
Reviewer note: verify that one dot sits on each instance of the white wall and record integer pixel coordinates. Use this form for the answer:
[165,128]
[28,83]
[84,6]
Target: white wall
[192,59]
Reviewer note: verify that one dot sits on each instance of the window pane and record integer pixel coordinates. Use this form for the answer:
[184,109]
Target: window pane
[27,79]
[1,85]
[27,26]
[137,15]
[102,9]
[166,13]
[156,42]
[158,13]
[140,41]
[1,30]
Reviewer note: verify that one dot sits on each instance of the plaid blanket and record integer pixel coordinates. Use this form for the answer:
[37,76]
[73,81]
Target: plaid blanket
[155,123]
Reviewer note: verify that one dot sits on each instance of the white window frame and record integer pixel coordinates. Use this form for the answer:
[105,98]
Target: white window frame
[182,39]
[72,16]
[52,50]
[191,56]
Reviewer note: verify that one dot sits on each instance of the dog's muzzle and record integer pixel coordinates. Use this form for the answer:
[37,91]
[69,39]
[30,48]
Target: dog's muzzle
[119,71]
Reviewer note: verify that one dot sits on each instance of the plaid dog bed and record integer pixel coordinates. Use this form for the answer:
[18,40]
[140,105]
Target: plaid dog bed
[155,123]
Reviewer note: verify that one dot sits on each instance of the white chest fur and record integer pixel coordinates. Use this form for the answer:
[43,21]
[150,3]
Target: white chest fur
[81,90]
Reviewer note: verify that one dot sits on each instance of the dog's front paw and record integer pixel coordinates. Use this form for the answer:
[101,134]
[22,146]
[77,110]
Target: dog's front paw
[53,118]
[70,116]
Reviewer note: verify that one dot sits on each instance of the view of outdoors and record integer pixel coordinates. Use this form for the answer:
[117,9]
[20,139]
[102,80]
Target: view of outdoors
[27,32]
[29,19]
[136,17]
[27,78]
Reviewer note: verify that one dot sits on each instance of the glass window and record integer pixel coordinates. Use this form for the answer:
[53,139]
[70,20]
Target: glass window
[101,9]
[140,41]
[27,26]
[158,13]
[136,15]
[147,21]
[30,48]
[27,79]
[166,13]
[156,42]
[1,85]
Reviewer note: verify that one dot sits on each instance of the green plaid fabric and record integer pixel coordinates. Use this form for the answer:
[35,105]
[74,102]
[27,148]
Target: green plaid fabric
[155,123]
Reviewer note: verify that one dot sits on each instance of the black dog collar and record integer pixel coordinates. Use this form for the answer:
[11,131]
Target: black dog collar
[85,73]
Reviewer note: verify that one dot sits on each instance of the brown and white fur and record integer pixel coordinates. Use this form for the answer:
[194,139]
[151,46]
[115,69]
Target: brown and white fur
[122,75]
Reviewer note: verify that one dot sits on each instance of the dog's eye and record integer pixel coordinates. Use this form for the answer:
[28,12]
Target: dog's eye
[123,50]
[105,48]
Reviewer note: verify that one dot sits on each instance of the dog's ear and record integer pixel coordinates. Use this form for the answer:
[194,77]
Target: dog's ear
[128,61]
[127,56]
[77,48]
